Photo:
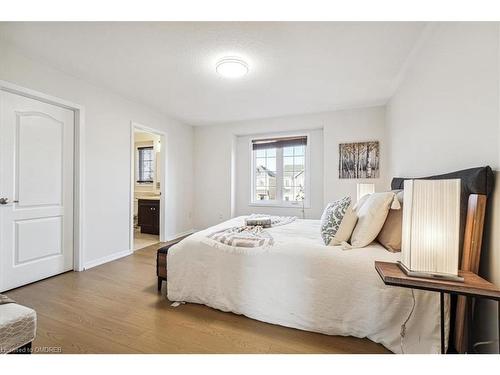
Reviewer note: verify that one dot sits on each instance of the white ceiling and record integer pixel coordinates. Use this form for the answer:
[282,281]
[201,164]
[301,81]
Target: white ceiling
[295,67]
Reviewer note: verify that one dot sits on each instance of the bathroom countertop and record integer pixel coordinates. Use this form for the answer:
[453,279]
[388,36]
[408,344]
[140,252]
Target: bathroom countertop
[149,197]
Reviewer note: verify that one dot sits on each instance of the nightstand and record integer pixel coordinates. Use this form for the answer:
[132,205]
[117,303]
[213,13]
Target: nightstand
[472,287]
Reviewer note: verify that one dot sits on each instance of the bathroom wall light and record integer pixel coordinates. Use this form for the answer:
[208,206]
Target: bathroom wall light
[231,67]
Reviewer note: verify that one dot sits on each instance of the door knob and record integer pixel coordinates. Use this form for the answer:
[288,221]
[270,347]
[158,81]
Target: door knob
[6,200]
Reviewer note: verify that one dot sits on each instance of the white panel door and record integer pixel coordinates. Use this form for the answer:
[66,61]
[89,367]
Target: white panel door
[36,178]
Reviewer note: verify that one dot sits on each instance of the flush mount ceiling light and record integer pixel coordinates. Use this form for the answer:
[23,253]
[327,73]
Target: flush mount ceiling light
[231,67]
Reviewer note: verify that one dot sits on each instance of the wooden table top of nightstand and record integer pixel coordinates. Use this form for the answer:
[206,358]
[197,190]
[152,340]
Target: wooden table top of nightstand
[473,284]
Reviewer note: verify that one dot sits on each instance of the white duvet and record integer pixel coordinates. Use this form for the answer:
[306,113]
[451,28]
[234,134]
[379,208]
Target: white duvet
[301,283]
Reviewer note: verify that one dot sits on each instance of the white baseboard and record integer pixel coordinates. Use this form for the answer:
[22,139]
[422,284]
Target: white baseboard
[106,259]
[181,234]
[121,254]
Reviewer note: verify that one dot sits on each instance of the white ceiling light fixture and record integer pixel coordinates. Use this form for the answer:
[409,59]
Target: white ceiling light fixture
[231,67]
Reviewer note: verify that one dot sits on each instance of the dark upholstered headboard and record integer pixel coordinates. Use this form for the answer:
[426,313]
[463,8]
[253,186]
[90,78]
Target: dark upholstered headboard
[474,181]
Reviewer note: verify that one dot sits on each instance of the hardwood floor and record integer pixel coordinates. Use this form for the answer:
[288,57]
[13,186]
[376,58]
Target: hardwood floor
[142,240]
[115,308]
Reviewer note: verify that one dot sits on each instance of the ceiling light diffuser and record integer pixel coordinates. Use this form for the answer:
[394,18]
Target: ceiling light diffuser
[231,67]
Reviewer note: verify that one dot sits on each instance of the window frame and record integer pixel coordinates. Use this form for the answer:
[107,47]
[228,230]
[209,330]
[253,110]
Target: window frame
[153,164]
[279,202]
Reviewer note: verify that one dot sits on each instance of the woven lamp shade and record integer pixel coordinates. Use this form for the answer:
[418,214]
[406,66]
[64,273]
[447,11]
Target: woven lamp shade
[431,224]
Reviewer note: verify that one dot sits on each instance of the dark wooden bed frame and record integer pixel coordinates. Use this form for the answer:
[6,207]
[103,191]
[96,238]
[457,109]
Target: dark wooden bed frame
[471,255]
[161,261]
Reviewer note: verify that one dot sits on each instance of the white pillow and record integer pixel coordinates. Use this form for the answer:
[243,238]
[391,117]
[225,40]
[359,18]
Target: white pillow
[371,213]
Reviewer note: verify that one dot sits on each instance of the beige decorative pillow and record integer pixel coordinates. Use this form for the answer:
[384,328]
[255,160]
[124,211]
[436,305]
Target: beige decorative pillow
[371,218]
[390,235]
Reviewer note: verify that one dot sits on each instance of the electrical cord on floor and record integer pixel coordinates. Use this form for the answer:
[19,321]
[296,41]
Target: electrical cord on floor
[403,326]
[403,330]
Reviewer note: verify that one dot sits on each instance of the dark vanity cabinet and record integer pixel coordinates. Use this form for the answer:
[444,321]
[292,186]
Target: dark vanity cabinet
[149,216]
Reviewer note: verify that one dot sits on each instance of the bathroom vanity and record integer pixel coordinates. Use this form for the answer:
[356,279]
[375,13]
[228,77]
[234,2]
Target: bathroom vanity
[148,215]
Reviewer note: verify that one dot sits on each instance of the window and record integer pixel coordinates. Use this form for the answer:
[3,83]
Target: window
[265,174]
[279,171]
[146,164]
[294,173]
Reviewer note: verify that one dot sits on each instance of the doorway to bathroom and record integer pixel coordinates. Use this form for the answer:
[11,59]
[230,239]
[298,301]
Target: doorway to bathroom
[147,184]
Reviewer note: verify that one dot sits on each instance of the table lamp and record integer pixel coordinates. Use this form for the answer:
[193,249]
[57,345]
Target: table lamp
[364,189]
[431,225]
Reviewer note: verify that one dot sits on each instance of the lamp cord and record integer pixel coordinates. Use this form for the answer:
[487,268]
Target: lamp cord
[403,326]
[403,330]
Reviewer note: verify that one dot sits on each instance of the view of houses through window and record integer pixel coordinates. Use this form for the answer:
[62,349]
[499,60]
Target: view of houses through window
[293,173]
[279,174]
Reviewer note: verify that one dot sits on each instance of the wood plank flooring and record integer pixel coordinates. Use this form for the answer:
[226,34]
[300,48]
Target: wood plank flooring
[115,308]
[142,240]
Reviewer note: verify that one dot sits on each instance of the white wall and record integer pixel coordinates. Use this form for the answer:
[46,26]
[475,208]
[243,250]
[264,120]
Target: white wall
[213,149]
[445,114]
[445,117]
[215,145]
[107,154]
[358,125]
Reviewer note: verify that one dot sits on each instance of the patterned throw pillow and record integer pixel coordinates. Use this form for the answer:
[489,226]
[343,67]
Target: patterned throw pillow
[332,218]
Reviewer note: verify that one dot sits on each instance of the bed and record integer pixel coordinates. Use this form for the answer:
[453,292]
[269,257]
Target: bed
[301,283]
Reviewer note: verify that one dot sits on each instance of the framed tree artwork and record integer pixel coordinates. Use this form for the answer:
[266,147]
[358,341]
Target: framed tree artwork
[359,160]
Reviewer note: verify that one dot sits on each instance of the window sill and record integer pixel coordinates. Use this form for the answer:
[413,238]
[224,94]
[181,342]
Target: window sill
[279,205]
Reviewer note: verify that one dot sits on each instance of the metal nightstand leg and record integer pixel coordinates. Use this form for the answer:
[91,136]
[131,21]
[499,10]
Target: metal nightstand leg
[441,302]
[469,324]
